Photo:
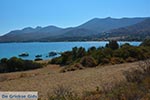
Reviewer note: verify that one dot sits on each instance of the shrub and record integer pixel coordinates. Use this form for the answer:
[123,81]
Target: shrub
[116,60]
[81,52]
[121,53]
[3,60]
[76,66]
[130,59]
[91,50]
[146,42]
[105,61]
[62,92]
[66,58]
[56,60]
[107,52]
[16,64]
[88,61]
[113,45]
[125,45]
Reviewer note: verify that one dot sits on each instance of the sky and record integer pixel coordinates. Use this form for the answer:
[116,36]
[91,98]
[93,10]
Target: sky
[18,14]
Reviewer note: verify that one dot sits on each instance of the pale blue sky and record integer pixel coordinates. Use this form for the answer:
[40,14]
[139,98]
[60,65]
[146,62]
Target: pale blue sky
[17,14]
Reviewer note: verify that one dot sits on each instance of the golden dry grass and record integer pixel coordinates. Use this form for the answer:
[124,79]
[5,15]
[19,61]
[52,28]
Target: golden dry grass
[44,80]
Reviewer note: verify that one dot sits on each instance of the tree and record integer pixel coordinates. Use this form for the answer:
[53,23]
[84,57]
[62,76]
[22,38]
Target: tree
[66,58]
[74,53]
[91,50]
[113,45]
[17,64]
[146,42]
[81,52]
[125,45]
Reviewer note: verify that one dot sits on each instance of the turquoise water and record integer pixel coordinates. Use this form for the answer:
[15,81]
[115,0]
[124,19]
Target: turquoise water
[8,50]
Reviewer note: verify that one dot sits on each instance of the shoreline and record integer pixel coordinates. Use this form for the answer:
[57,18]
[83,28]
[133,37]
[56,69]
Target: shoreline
[69,41]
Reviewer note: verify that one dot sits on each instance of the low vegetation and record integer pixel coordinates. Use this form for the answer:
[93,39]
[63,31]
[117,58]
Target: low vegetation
[62,92]
[17,64]
[136,87]
[112,53]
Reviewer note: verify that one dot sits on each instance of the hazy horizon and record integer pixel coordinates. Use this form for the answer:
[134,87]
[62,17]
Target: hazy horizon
[18,14]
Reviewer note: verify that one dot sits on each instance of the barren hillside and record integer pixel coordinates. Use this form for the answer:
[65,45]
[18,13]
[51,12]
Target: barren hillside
[44,80]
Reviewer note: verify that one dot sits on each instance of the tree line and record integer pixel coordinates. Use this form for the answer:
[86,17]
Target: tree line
[17,64]
[112,53]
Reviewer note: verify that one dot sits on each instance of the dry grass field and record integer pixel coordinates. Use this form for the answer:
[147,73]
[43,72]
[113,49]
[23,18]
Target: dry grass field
[44,80]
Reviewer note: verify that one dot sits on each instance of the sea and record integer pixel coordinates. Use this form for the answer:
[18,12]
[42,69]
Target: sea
[8,50]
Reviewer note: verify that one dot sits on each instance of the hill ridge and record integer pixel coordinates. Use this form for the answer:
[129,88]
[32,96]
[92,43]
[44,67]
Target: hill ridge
[85,31]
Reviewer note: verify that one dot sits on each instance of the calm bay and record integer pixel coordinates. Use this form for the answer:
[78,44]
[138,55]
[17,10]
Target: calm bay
[8,50]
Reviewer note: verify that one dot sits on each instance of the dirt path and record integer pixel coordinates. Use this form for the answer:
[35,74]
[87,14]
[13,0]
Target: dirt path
[46,79]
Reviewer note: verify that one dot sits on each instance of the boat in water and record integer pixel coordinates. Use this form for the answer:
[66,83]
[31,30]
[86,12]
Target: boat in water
[37,56]
[52,54]
[24,54]
[38,59]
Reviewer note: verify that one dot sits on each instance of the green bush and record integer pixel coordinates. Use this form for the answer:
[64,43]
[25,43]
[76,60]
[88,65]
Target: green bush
[69,57]
[57,60]
[121,53]
[16,64]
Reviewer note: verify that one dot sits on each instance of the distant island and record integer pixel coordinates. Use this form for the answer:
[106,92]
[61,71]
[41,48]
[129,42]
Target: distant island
[97,29]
